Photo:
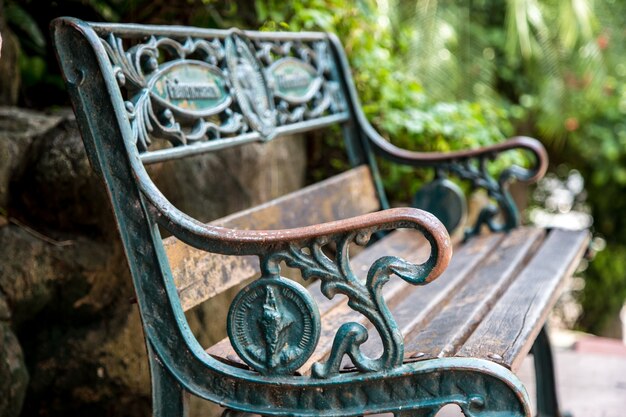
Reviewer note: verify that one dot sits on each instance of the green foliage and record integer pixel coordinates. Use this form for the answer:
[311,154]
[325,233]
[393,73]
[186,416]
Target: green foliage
[599,294]
[394,99]
[556,69]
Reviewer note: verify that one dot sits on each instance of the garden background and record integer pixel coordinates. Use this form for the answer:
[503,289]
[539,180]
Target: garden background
[432,75]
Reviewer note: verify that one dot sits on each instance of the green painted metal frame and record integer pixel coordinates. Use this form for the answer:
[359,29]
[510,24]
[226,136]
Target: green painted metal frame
[547,400]
[109,123]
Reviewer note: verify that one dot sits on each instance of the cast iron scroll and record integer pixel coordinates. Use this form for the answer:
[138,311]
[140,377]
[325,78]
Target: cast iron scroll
[183,88]
[474,170]
[337,277]
[258,321]
[472,166]
[250,86]
[158,105]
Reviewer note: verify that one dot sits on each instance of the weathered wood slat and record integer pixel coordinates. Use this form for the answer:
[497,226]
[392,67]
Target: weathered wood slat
[508,331]
[421,304]
[456,320]
[463,310]
[213,273]
[200,275]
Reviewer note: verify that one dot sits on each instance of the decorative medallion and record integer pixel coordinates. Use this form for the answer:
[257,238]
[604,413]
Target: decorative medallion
[250,86]
[274,325]
[445,200]
[189,87]
[294,80]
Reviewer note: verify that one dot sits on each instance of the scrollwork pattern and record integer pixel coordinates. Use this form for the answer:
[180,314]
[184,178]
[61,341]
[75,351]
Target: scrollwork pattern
[501,213]
[327,98]
[477,173]
[479,177]
[337,277]
[136,67]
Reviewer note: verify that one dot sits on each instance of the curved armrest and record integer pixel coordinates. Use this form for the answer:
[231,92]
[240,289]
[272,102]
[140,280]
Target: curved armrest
[303,248]
[470,165]
[388,150]
[460,163]
[267,243]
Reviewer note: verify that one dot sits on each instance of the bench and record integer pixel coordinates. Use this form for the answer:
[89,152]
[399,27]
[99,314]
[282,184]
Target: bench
[367,335]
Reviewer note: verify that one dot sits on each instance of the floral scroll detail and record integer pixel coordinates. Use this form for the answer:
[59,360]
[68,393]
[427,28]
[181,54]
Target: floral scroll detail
[138,71]
[337,277]
[477,173]
[479,177]
[186,90]
[324,95]
[444,198]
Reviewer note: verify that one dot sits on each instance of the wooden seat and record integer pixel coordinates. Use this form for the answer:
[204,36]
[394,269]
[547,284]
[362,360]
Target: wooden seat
[464,313]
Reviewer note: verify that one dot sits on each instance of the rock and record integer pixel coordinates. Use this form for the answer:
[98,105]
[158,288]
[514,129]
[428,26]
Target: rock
[76,281]
[13,373]
[18,128]
[97,368]
[56,190]
[63,275]
[25,270]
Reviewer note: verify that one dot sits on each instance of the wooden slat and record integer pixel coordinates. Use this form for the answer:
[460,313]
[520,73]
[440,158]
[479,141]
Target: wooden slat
[507,333]
[456,320]
[445,316]
[200,275]
[421,304]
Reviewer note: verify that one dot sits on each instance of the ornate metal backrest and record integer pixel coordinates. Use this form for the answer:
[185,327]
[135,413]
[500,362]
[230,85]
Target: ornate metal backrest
[202,90]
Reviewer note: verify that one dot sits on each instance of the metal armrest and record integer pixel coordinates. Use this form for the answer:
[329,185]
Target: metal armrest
[303,248]
[470,165]
[273,246]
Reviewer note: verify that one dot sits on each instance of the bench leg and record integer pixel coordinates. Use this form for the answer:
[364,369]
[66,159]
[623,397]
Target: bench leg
[547,402]
[169,399]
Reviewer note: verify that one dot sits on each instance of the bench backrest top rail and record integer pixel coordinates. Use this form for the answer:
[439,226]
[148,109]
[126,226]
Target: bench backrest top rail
[200,90]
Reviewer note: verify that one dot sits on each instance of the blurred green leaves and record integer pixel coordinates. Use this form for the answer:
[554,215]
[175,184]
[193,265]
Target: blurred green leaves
[26,27]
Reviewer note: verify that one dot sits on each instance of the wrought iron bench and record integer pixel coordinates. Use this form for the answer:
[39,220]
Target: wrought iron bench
[293,350]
